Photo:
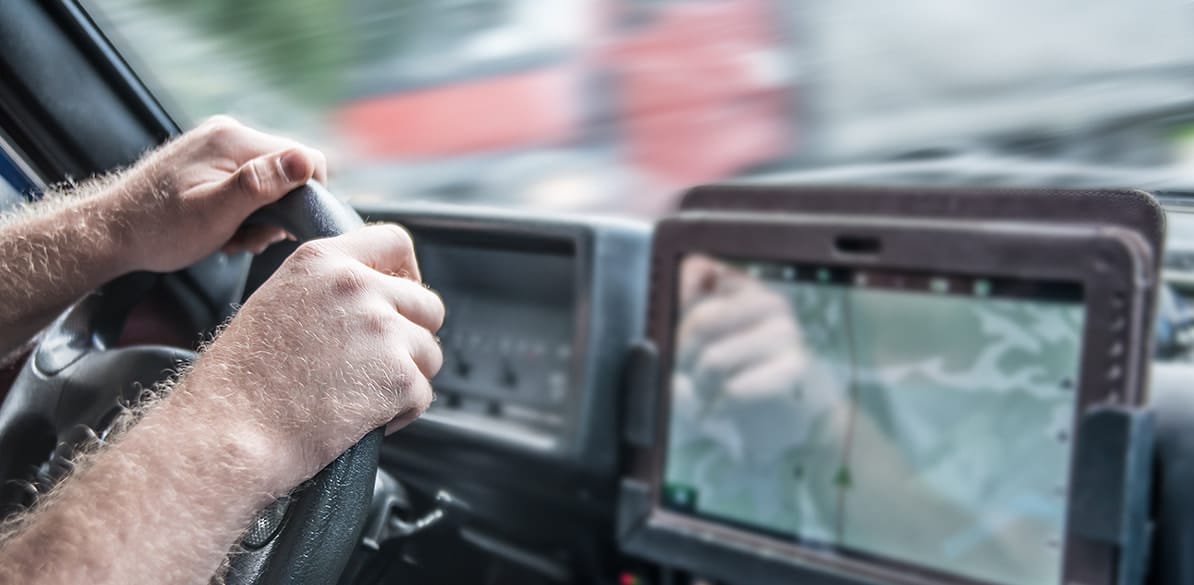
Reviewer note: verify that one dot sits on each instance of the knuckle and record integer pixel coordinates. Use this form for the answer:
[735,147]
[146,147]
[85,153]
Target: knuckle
[346,281]
[397,234]
[311,252]
[423,399]
[419,394]
[405,373]
[418,346]
[436,315]
[222,125]
[436,358]
[375,323]
[432,307]
[422,306]
[250,179]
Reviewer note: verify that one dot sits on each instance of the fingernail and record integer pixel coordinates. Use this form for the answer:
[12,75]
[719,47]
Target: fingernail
[292,165]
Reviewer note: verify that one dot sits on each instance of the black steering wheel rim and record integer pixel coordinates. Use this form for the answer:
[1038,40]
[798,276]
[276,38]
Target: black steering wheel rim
[76,376]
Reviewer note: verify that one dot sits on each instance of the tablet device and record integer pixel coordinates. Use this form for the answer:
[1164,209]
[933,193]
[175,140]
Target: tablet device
[855,400]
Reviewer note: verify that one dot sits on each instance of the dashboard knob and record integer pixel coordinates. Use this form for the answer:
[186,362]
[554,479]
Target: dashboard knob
[462,367]
[509,378]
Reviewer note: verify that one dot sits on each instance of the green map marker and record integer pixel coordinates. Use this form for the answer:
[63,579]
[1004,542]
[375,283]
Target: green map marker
[843,478]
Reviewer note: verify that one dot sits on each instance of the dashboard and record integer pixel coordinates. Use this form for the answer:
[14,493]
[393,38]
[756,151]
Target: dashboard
[542,311]
[533,418]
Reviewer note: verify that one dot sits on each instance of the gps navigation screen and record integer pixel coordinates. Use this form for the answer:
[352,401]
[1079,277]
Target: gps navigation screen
[916,420]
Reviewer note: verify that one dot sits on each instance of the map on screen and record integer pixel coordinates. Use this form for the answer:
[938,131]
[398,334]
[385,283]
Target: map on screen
[916,419]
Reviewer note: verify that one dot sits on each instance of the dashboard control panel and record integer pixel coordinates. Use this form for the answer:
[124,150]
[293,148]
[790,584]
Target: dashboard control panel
[508,338]
[540,314]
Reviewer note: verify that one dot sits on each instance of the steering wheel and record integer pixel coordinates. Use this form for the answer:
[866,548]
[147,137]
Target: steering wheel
[75,382]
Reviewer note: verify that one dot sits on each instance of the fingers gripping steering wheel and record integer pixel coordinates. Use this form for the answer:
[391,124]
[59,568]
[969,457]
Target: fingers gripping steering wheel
[75,381]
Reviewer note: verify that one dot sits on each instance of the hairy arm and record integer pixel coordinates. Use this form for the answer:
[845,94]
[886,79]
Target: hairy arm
[163,504]
[333,345]
[43,267]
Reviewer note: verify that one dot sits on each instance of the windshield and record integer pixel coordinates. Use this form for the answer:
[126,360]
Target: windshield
[616,106]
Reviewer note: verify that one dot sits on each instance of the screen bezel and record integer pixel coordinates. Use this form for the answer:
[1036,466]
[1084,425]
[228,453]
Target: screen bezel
[1011,250]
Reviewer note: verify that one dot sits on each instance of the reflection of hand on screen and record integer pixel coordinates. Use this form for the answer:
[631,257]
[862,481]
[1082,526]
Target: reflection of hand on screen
[801,403]
[737,339]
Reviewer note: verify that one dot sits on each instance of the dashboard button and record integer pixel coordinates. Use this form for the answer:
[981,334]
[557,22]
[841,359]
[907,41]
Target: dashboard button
[463,368]
[494,408]
[509,378]
[461,365]
[557,386]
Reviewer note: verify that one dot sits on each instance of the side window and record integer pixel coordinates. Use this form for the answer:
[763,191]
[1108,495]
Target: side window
[16,181]
[9,196]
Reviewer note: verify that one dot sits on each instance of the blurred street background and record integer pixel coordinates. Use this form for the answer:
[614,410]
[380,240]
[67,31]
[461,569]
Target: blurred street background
[615,106]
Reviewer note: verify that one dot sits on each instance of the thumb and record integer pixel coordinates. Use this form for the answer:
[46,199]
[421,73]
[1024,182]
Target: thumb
[267,178]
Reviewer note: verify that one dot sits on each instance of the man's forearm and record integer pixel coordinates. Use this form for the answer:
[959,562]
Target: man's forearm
[52,256]
[162,505]
[331,346]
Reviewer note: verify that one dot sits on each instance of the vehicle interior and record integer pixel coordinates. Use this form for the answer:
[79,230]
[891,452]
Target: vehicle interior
[550,159]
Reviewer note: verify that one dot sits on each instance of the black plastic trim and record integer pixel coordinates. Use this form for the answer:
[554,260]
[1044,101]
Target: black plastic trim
[78,21]
[66,103]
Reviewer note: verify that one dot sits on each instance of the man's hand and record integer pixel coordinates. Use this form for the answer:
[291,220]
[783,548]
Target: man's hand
[339,341]
[741,362]
[738,339]
[180,203]
[188,198]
